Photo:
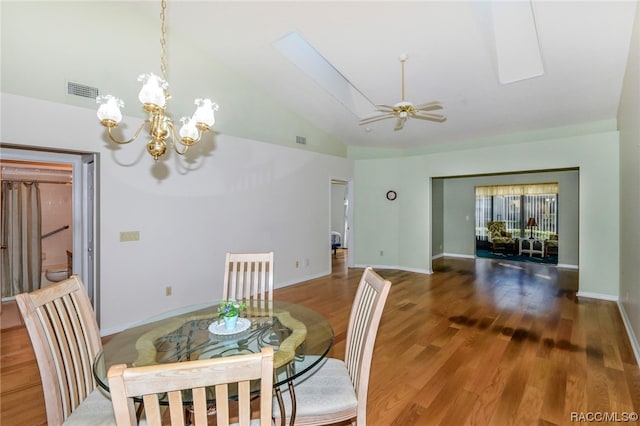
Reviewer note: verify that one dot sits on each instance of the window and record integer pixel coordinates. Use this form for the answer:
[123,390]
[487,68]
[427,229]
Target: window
[544,209]
[515,204]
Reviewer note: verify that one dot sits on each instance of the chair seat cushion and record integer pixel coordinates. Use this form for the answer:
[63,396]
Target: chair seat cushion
[327,391]
[95,410]
[252,422]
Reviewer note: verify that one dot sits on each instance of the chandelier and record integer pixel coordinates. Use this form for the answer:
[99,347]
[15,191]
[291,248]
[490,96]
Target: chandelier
[154,97]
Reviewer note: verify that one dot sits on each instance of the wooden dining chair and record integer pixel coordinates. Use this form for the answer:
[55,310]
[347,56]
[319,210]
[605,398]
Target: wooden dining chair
[337,391]
[154,381]
[65,338]
[248,276]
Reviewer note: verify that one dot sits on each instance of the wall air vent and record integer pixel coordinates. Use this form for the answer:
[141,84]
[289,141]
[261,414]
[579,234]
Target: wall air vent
[82,90]
[301,140]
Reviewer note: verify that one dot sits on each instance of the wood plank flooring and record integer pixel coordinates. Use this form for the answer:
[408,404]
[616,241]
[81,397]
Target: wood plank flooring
[479,342]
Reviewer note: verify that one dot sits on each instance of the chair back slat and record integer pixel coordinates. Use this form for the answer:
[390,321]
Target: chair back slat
[222,408]
[151,409]
[176,407]
[65,337]
[84,355]
[359,332]
[154,381]
[53,315]
[200,410]
[248,276]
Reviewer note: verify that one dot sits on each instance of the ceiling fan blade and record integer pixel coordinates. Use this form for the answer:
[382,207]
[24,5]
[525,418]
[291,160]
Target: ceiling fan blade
[429,106]
[400,123]
[386,108]
[431,117]
[376,118]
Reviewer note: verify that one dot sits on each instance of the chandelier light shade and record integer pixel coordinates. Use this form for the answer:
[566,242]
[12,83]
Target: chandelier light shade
[154,97]
[109,111]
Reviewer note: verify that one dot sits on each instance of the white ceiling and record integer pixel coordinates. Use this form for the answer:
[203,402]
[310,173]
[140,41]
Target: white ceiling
[584,47]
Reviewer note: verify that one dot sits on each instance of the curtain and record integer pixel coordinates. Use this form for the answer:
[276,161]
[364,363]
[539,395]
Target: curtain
[21,237]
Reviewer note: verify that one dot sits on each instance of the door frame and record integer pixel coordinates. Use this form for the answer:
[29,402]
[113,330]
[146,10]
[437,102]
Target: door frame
[84,209]
[349,217]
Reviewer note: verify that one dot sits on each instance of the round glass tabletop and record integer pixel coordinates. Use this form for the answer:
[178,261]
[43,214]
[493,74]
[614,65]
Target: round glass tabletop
[301,338]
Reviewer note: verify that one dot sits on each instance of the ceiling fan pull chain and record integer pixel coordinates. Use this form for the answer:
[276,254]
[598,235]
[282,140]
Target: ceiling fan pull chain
[402,60]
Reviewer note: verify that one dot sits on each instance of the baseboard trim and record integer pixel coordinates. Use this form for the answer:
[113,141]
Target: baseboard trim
[632,336]
[463,256]
[597,296]
[113,330]
[567,266]
[301,279]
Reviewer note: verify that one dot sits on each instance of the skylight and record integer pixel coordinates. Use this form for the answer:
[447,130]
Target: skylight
[297,50]
[516,37]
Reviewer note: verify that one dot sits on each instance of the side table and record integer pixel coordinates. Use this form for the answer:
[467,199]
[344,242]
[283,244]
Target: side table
[531,247]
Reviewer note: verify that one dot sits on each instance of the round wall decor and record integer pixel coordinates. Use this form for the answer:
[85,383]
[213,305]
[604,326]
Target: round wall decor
[391,195]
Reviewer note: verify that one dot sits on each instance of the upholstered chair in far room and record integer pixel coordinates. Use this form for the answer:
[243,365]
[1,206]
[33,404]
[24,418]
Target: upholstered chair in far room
[171,380]
[336,242]
[65,338]
[337,391]
[248,276]
[498,235]
[551,245]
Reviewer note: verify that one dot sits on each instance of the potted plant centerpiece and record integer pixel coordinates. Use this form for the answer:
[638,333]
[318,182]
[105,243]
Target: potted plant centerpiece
[229,310]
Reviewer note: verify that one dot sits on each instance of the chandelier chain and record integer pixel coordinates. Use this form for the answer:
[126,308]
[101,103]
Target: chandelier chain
[163,58]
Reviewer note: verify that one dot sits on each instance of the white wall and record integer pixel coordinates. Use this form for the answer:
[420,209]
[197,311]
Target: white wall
[245,195]
[403,230]
[629,126]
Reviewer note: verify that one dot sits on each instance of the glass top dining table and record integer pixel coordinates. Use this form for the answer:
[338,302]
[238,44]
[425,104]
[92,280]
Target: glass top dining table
[301,338]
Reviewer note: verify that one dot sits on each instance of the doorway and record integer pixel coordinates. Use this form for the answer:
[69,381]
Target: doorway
[455,231]
[340,232]
[81,258]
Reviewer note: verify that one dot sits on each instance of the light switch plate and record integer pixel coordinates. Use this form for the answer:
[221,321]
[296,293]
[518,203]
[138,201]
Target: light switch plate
[130,236]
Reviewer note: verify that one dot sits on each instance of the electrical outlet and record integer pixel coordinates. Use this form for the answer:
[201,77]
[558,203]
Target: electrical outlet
[297,263]
[130,236]
[168,290]
[381,252]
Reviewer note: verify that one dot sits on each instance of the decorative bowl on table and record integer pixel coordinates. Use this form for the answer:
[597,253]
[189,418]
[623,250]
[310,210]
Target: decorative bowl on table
[219,327]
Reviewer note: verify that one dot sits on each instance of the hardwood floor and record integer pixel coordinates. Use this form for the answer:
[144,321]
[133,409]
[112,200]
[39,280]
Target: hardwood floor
[479,342]
[21,398]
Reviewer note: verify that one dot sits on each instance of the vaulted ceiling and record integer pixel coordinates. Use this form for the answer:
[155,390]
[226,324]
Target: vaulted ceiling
[453,58]
[496,69]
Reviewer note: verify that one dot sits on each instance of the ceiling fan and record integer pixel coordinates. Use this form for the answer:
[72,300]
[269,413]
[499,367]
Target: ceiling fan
[405,109]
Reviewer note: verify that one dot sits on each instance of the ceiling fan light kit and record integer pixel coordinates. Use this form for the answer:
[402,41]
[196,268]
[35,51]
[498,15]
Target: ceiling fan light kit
[404,109]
